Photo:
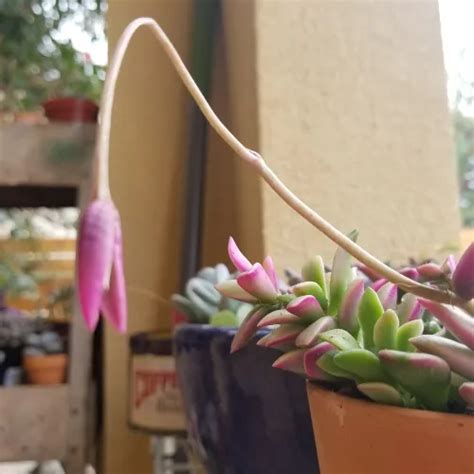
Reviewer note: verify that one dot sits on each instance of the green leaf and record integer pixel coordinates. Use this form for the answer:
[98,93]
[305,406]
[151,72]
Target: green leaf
[313,270]
[224,318]
[311,288]
[339,338]
[406,332]
[341,276]
[326,363]
[426,376]
[370,310]
[385,331]
[381,393]
[363,364]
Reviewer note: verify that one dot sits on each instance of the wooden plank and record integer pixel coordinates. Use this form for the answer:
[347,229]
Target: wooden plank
[79,430]
[47,155]
[33,422]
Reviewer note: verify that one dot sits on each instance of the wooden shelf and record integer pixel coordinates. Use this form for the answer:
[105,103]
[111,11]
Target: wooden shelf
[52,154]
[33,422]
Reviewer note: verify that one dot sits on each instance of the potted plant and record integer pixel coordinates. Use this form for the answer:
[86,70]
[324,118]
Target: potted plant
[38,63]
[357,344]
[44,358]
[217,388]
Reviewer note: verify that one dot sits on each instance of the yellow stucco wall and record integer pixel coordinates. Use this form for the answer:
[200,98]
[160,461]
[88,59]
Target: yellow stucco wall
[353,114]
[346,100]
[147,151]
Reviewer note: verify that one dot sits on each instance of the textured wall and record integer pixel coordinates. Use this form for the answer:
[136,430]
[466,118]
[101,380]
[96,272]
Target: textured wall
[147,152]
[353,115]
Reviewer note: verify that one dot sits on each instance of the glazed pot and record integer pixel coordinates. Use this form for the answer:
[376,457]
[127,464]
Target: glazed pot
[70,109]
[243,416]
[45,369]
[361,437]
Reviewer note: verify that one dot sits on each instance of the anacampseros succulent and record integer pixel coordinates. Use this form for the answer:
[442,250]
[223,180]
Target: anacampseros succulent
[336,328]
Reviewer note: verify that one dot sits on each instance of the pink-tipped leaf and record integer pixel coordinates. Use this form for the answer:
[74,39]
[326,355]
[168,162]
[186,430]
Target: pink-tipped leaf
[463,276]
[248,328]
[459,357]
[307,307]
[269,267]
[239,260]
[311,356]
[466,390]
[281,335]
[430,271]
[409,308]
[350,306]
[388,295]
[454,319]
[231,289]
[257,282]
[292,361]
[279,316]
[309,336]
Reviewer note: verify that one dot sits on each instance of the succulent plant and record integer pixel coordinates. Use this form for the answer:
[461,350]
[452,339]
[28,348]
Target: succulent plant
[202,303]
[43,343]
[337,327]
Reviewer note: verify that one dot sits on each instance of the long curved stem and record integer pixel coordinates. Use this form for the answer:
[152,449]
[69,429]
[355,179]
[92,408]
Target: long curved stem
[101,169]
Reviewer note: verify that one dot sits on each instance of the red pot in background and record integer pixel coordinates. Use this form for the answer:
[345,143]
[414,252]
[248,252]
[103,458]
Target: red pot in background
[71,109]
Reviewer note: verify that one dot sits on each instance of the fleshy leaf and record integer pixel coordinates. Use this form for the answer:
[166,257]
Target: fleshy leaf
[306,307]
[114,300]
[409,308]
[406,332]
[463,276]
[279,316]
[311,356]
[326,363]
[425,375]
[239,260]
[281,335]
[466,390]
[341,276]
[363,364]
[388,295]
[231,289]
[311,288]
[270,269]
[376,285]
[454,319]
[310,334]
[95,252]
[410,272]
[248,328]
[385,331]
[370,310]
[430,271]
[340,339]
[381,393]
[459,357]
[256,282]
[350,306]
[291,361]
[314,270]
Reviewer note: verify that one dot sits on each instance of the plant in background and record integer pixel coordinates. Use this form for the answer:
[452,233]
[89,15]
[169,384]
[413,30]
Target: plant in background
[37,60]
[202,303]
[334,328]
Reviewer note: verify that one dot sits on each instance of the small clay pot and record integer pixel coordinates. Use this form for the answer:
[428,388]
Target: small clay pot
[361,437]
[45,369]
[71,109]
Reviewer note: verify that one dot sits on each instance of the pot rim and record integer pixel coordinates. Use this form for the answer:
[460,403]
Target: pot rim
[400,412]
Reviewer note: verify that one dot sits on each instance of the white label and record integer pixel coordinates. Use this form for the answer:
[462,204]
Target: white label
[155,399]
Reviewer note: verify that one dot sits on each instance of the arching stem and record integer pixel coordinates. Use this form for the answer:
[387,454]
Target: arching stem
[101,169]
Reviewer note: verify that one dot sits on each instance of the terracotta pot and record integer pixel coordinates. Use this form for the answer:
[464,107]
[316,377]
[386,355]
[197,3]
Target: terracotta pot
[71,109]
[45,370]
[360,437]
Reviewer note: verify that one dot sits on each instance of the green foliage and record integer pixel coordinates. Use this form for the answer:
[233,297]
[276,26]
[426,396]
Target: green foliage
[36,63]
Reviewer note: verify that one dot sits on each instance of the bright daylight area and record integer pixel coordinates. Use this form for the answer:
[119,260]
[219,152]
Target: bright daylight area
[144,326]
